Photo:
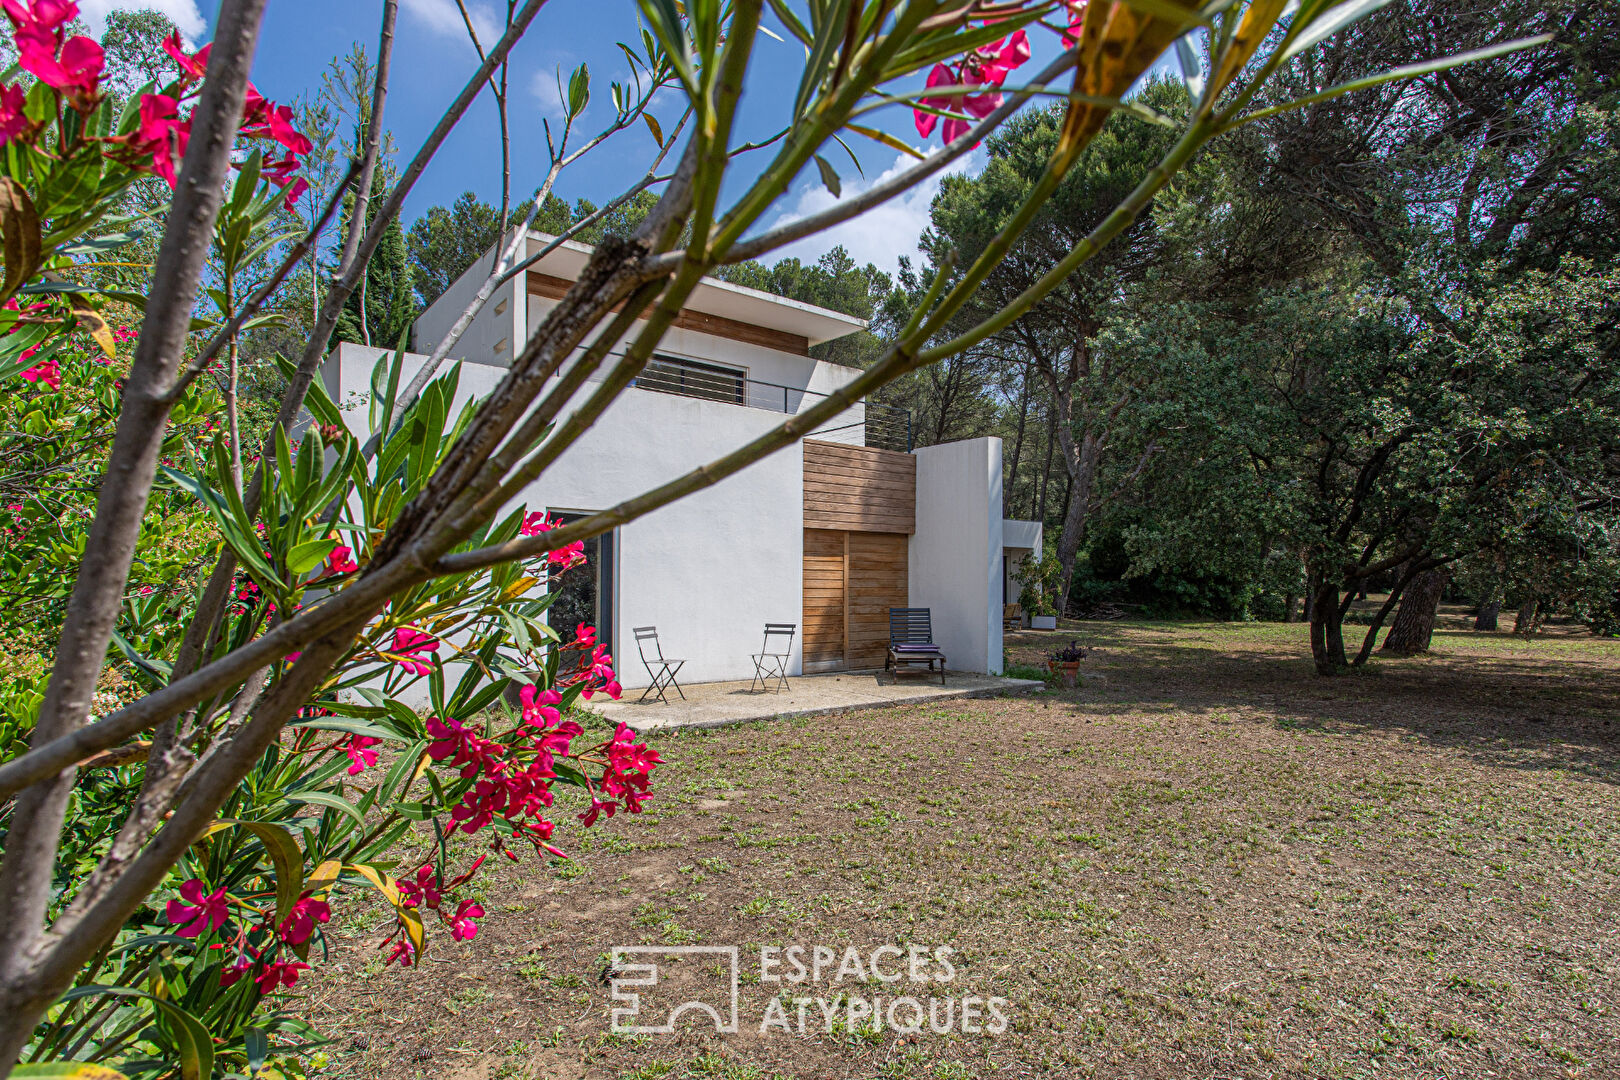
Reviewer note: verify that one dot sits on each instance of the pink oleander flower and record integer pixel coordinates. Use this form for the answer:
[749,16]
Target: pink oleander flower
[403,952]
[462,927]
[279,974]
[627,777]
[360,757]
[231,973]
[538,706]
[300,922]
[422,891]
[987,66]
[584,636]
[281,172]
[202,913]
[566,556]
[1077,16]
[408,642]
[611,688]
[13,123]
[162,135]
[48,372]
[193,66]
[341,560]
[39,29]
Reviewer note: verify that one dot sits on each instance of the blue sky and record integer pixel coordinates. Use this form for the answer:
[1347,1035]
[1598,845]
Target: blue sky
[432,60]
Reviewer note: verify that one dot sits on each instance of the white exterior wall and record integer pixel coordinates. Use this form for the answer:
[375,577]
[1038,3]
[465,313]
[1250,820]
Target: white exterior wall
[1018,538]
[955,554]
[495,332]
[797,374]
[710,569]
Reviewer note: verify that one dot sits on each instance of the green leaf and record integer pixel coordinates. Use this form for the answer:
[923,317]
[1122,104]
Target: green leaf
[1330,22]
[1408,71]
[307,556]
[328,800]
[570,775]
[192,1040]
[353,725]
[829,176]
[579,90]
[257,1045]
[67,1070]
[285,856]
[886,139]
[158,669]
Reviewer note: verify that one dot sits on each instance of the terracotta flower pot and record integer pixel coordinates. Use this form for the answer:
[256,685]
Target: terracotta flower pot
[1068,672]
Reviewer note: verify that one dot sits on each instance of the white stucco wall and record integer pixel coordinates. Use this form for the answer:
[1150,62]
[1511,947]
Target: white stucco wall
[780,382]
[709,570]
[1018,538]
[495,331]
[955,554]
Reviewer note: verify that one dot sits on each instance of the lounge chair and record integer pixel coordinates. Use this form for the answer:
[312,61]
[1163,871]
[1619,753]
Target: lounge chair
[1012,617]
[911,642]
[661,668]
[770,665]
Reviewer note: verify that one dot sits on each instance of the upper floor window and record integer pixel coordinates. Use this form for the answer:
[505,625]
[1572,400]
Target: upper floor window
[694,378]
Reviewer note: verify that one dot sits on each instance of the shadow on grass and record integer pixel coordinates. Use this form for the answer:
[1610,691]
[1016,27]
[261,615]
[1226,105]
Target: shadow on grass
[1505,702]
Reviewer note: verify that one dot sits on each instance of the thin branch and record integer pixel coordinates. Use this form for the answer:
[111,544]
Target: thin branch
[25,874]
[895,185]
[251,307]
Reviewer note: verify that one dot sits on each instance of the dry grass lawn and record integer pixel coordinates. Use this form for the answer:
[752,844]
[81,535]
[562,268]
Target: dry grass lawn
[1206,863]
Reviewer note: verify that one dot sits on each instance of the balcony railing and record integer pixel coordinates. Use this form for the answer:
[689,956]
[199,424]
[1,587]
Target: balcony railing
[885,427]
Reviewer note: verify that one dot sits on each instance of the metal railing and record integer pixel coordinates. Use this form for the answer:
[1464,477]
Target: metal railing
[885,427]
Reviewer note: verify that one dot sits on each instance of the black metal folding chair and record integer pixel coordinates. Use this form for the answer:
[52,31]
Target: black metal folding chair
[770,665]
[659,667]
[911,641]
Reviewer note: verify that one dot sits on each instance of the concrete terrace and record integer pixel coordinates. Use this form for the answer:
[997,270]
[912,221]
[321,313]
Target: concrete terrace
[717,704]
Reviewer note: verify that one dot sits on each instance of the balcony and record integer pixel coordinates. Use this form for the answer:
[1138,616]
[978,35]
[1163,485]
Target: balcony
[883,427]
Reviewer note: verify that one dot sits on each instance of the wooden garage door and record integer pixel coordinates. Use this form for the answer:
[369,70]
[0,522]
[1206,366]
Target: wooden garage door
[876,576]
[851,580]
[823,599]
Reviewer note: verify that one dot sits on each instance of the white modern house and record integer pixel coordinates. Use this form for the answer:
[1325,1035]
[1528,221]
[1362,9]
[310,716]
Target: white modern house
[827,534]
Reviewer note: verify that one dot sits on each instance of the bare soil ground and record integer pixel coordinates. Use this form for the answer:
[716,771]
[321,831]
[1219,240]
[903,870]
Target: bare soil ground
[1206,863]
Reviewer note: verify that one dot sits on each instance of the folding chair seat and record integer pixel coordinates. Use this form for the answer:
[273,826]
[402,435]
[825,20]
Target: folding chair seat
[770,665]
[660,668]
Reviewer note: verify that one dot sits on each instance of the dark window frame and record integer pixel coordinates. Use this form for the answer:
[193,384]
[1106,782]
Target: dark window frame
[701,379]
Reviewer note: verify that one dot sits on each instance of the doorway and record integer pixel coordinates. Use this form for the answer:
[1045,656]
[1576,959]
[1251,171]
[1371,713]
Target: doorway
[585,594]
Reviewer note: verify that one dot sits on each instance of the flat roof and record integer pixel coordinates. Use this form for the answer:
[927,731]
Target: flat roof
[715,297]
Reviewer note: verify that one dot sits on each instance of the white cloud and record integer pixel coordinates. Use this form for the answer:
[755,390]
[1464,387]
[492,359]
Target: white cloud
[883,233]
[544,87]
[183,13]
[442,17]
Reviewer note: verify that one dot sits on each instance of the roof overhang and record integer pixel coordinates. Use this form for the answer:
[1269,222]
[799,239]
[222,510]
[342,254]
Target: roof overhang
[715,297]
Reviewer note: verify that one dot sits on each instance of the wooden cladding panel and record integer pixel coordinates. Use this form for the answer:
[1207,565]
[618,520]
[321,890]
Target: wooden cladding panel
[876,580]
[554,288]
[859,489]
[823,597]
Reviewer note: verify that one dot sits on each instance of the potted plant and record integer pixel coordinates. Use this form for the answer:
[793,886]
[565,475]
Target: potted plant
[1039,577]
[1065,663]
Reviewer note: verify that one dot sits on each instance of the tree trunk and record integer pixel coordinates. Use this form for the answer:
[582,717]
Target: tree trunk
[1018,442]
[1489,611]
[1046,469]
[1288,608]
[1527,618]
[1327,633]
[1080,461]
[1414,622]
